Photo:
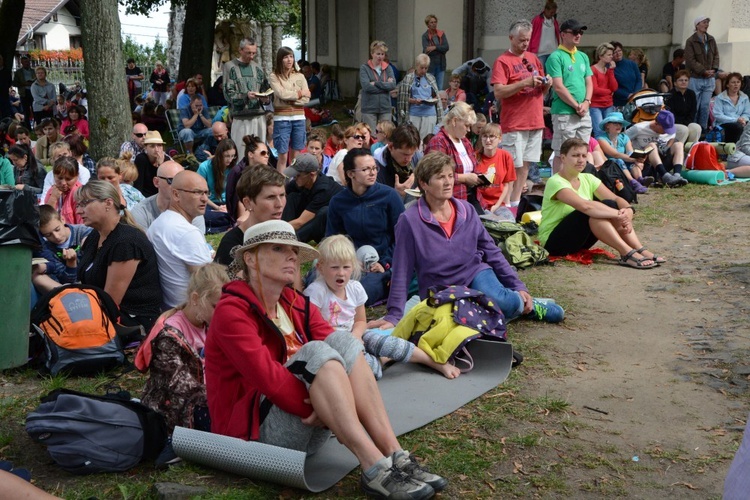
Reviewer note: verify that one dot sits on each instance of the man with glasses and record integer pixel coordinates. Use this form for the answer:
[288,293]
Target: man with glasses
[135,146]
[307,198]
[148,209]
[367,211]
[571,74]
[180,248]
[702,60]
[520,85]
[243,79]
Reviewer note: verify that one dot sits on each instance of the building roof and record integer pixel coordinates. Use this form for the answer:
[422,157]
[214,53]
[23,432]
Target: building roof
[38,12]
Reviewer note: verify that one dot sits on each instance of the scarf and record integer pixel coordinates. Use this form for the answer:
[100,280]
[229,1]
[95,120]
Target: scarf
[571,52]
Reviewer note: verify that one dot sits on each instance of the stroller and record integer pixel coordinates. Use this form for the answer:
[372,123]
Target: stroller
[643,106]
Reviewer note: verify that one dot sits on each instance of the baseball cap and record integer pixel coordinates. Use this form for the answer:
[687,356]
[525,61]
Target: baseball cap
[572,25]
[666,120]
[301,164]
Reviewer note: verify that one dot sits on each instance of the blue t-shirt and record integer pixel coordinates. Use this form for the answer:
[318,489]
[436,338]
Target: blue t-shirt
[188,113]
[421,89]
[206,171]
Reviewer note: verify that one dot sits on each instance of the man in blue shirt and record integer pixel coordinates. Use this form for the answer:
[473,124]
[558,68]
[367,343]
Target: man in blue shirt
[195,123]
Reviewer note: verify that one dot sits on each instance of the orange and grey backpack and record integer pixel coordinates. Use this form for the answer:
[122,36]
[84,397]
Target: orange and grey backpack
[703,156]
[79,326]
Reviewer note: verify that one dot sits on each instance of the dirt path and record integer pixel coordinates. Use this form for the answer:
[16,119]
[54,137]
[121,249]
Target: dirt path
[663,354]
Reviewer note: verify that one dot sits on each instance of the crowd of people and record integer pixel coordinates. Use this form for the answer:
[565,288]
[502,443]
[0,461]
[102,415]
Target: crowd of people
[393,203]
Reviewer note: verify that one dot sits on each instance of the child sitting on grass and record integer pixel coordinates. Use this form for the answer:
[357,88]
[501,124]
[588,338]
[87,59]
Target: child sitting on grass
[60,247]
[341,300]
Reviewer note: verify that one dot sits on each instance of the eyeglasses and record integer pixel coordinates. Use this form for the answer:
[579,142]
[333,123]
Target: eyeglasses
[167,179]
[139,135]
[359,137]
[368,170]
[85,203]
[529,66]
[196,192]
[574,32]
[489,137]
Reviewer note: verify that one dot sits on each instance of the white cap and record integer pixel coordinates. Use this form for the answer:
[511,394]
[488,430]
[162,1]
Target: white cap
[700,19]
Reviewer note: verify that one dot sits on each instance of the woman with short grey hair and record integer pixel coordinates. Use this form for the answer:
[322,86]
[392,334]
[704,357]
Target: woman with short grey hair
[377,80]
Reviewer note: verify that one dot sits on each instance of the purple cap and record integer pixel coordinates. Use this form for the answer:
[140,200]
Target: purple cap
[666,120]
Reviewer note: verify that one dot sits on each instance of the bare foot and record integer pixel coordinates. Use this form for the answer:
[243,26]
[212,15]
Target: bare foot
[448,370]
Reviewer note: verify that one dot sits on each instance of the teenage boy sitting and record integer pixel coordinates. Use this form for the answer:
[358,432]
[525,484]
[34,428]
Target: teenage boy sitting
[668,153]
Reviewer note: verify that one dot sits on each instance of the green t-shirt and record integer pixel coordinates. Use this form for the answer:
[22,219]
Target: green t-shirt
[553,210]
[560,65]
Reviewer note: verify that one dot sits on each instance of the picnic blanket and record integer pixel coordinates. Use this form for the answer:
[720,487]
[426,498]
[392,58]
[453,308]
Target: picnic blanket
[585,256]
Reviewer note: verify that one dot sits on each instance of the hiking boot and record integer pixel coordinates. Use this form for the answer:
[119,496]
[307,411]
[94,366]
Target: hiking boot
[405,462]
[673,180]
[638,187]
[390,482]
[547,311]
[646,181]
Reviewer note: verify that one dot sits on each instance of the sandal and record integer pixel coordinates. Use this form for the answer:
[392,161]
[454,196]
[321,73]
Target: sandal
[630,260]
[659,260]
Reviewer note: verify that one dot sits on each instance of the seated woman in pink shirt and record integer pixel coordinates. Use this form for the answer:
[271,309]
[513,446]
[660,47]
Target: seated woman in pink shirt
[77,117]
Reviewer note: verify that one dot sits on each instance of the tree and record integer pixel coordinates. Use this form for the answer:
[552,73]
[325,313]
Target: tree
[109,120]
[11,16]
[143,54]
[200,22]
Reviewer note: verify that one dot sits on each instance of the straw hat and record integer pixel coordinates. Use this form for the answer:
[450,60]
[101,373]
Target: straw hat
[274,231]
[153,137]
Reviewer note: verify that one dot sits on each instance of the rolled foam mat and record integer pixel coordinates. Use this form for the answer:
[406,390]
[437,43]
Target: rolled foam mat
[414,396]
[712,177]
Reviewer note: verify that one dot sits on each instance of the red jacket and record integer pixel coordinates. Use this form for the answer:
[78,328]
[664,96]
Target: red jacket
[245,356]
[536,32]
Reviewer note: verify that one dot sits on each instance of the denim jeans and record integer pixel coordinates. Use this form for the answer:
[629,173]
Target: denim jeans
[597,115]
[509,301]
[704,89]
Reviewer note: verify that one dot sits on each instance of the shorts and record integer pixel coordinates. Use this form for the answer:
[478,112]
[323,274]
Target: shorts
[566,127]
[523,146]
[289,131]
[283,429]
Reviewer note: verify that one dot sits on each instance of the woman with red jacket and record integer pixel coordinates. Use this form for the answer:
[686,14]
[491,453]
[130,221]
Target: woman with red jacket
[277,374]
[605,85]
[545,32]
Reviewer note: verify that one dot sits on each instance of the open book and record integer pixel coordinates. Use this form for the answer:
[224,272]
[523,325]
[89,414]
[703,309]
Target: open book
[638,154]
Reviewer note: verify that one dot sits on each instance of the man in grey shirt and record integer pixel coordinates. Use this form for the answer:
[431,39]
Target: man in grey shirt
[147,210]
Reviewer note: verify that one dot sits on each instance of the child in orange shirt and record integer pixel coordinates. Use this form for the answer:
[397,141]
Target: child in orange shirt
[497,166]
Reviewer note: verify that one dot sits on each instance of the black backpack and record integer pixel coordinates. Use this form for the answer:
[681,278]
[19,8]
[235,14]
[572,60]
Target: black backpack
[86,434]
[609,173]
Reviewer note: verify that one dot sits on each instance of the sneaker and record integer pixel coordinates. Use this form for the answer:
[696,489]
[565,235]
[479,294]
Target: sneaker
[167,457]
[549,312]
[672,180]
[638,187]
[405,462]
[646,181]
[389,482]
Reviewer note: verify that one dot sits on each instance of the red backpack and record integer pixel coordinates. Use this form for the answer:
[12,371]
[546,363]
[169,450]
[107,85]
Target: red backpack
[702,156]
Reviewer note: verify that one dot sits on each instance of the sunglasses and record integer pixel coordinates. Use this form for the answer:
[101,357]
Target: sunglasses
[359,137]
[529,66]
[574,32]
[263,153]
[139,135]
[168,180]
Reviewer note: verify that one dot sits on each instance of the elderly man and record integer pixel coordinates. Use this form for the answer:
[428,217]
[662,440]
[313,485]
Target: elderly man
[702,60]
[243,79]
[307,198]
[148,161]
[418,101]
[206,151]
[195,123]
[570,70]
[135,146]
[520,86]
[180,248]
[148,209]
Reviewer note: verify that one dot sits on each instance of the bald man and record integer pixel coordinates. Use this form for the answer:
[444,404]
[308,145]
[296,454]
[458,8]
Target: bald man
[135,145]
[180,248]
[219,132]
[147,210]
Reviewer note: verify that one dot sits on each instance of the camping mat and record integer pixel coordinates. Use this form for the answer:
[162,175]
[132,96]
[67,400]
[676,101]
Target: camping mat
[712,177]
[413,395]
[735,180]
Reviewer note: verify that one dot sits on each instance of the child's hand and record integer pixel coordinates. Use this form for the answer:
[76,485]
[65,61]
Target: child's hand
[70,257]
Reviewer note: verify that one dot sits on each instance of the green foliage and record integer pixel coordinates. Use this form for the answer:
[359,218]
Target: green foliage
[142,53]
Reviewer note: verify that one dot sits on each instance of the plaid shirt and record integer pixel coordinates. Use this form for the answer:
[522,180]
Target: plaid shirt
[441,142]
[404,92]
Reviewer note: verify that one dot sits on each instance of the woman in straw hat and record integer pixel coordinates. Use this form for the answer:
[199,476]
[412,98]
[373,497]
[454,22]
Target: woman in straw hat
[276,373]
